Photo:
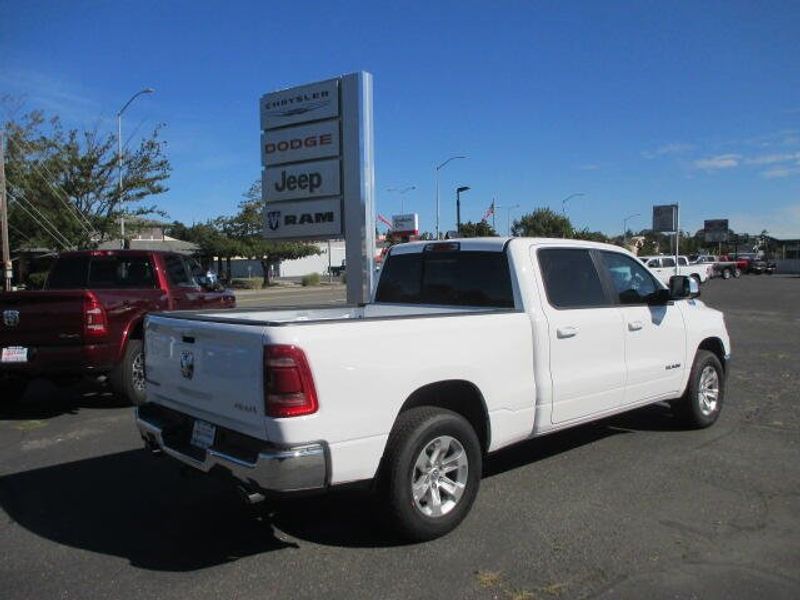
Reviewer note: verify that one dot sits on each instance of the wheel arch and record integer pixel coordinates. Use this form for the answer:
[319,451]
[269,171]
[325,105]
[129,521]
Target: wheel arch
[460,396]
[716,347]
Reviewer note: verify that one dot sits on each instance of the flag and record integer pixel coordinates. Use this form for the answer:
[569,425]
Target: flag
[384,220]
[489,212]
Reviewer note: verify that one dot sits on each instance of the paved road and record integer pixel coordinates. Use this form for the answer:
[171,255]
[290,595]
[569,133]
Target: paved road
[628,508]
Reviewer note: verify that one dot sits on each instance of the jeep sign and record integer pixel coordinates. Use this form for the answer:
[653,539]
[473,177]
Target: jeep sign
[301,180]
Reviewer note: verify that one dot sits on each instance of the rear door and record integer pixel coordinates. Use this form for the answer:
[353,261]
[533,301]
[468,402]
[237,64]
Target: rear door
[587,343]
[655,335]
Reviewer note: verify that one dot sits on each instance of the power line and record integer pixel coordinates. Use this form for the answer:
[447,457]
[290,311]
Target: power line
[66,242]
[71,208]
[33,218]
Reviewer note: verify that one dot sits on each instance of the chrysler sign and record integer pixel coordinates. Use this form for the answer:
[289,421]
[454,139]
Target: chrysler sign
[300,105]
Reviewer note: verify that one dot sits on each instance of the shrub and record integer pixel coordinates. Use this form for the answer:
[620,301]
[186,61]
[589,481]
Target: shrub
[36,281]
[245,283]
[310,279]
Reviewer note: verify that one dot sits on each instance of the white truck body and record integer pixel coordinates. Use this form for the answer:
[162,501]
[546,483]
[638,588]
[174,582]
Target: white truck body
[531,367]
[664,268]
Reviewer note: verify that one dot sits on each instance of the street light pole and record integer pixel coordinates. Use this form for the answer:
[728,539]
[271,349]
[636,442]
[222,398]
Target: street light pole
[564,208]
[402,192]
[625,228]
[508,215]
[463,188]
[148,90]
[436,177]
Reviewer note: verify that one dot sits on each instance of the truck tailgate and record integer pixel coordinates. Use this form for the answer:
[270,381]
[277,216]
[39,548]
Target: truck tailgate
[42,318]
[212,371]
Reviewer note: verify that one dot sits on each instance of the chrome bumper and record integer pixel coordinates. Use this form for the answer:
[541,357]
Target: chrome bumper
[276,468]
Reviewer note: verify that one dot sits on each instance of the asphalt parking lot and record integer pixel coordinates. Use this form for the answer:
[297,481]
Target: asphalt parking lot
[629,507]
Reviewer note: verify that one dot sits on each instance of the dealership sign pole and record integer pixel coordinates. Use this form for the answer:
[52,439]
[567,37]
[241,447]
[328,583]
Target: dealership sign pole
[666,220]
[318,179]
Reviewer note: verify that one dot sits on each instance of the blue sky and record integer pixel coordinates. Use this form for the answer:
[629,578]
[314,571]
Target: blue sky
[629,103]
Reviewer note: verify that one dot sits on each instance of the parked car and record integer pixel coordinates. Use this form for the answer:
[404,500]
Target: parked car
[87,321]
[523,337]
[721,266]
[664,268]
[759,267]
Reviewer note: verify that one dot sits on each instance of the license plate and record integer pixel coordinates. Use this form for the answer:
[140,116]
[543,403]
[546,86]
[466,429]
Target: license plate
[14,354]
[203,434]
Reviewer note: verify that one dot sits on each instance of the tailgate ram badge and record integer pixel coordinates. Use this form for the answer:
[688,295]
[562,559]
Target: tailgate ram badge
[187,364]
[10,318]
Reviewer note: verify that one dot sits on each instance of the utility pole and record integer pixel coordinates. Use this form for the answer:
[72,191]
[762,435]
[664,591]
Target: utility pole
[4,218]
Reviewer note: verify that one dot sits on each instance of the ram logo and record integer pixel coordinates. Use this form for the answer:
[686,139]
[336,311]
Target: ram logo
[187,364]
[274,219]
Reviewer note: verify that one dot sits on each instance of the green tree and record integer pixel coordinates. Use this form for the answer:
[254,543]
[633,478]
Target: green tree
[542,222]
[62,184]
[246,231]
[593,236]
[479,229]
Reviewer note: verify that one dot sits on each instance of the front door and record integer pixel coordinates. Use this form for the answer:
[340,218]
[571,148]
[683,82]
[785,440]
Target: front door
[655,335]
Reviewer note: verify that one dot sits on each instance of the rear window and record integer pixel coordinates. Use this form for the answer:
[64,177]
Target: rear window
[68,273]
[101,272]
[115,272]
[449,278]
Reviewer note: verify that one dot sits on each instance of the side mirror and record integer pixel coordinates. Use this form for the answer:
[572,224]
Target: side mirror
[682,287]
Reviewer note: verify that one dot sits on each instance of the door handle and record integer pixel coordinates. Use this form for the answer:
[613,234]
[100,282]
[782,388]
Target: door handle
[566,332]
[635,325]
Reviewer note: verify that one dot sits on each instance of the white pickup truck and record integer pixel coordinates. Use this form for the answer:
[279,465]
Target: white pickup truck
[664,268]
[467,347]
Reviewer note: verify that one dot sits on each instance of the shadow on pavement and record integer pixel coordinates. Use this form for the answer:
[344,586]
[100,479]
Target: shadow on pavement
[136,506]
[45,400]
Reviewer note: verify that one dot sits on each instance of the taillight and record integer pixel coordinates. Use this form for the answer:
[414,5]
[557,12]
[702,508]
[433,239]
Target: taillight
[95,321]
[288,384]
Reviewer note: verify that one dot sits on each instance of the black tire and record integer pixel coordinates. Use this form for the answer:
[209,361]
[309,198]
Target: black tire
[416,431]
[726,273]
[695,409]
[13,389]
[127,378]
[737,273]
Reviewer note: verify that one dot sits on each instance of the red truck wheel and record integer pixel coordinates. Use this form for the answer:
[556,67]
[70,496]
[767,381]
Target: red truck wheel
[127,379]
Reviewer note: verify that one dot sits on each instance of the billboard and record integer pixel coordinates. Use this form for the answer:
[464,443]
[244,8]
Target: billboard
[716,230]
[665,218]
[408,223]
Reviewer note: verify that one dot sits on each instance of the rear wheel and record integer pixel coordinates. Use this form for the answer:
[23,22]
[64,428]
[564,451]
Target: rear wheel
[127,378]
[726,274]
[431,473]
[701,404]
[737,273]
[13,389]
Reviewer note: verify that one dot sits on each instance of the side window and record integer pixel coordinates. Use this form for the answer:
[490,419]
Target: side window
[570,278]
[667,262]
[653,263]
[177,273]
[114,272]
[631,280]
[682,261]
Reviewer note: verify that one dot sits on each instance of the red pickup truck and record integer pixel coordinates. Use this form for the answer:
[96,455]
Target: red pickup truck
[87,321]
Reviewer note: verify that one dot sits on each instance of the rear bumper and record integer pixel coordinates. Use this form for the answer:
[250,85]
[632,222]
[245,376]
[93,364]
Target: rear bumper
[271,468]
[90,359]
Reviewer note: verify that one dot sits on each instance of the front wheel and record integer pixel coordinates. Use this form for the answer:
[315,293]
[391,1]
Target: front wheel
[127,379]
[726,274]
[431,473]
[701,404]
